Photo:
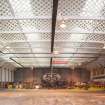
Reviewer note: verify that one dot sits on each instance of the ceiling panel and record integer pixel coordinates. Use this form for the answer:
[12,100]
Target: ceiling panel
[33,61]
[70,37]
[80,37]
[4,8]
[19,37]
[9,25]
[31,8]
[38,37]
[35,25]
[66,44]
[81,26]
[26,59]
[40,44]
[81,8]
[92,44]
[26,50]
[12,37]
[96,37]
[43,50]
[25,25]
[28,44]
[77,44]
[89,50]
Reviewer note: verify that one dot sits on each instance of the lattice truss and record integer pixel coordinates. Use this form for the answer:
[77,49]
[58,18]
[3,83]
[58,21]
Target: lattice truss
[84,34]
[25,29]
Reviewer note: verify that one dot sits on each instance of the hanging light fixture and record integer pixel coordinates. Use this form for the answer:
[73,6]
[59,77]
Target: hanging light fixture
[104,47]
[63,25]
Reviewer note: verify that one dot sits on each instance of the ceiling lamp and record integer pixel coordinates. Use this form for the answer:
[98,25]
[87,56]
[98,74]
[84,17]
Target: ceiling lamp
[104,47]
[79,64]
[63,25]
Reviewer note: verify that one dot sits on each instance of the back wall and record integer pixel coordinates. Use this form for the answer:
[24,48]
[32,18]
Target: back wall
[36,74]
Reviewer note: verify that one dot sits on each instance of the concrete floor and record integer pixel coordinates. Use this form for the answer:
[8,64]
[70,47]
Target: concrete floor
[50,97]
